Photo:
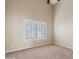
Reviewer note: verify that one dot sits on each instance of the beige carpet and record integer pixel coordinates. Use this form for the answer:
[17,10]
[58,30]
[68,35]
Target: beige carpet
[51,51]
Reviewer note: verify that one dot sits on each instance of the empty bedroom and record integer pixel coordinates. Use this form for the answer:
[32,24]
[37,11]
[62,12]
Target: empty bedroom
[39,29]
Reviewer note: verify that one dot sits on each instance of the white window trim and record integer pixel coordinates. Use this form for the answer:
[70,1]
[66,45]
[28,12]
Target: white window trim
[35,21]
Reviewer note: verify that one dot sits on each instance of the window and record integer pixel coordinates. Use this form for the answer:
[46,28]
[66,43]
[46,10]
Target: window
[33,30]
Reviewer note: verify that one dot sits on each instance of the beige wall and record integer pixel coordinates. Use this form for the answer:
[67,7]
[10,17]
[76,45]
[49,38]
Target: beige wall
[16,10]
[63,23]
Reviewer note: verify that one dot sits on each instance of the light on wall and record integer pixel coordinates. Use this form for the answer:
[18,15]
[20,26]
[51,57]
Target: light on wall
[52,1]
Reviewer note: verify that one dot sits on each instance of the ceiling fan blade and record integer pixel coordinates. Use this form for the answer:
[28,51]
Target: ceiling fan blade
[48,1]
[58,0]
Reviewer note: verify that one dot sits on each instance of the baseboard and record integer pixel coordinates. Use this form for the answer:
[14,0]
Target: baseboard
[29,47]
[63,45]
[38,46]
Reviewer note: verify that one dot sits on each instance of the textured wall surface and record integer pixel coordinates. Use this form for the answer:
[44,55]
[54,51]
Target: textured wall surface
[63,23]
[16,10]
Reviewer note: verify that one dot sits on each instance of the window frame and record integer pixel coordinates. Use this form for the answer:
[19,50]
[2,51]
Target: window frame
[37,22]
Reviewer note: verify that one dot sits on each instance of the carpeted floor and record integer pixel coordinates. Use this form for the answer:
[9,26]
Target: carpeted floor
[51,51]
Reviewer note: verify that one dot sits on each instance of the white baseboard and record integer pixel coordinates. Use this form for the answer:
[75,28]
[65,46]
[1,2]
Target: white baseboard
[28,47]
[39,45]
[63,45]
